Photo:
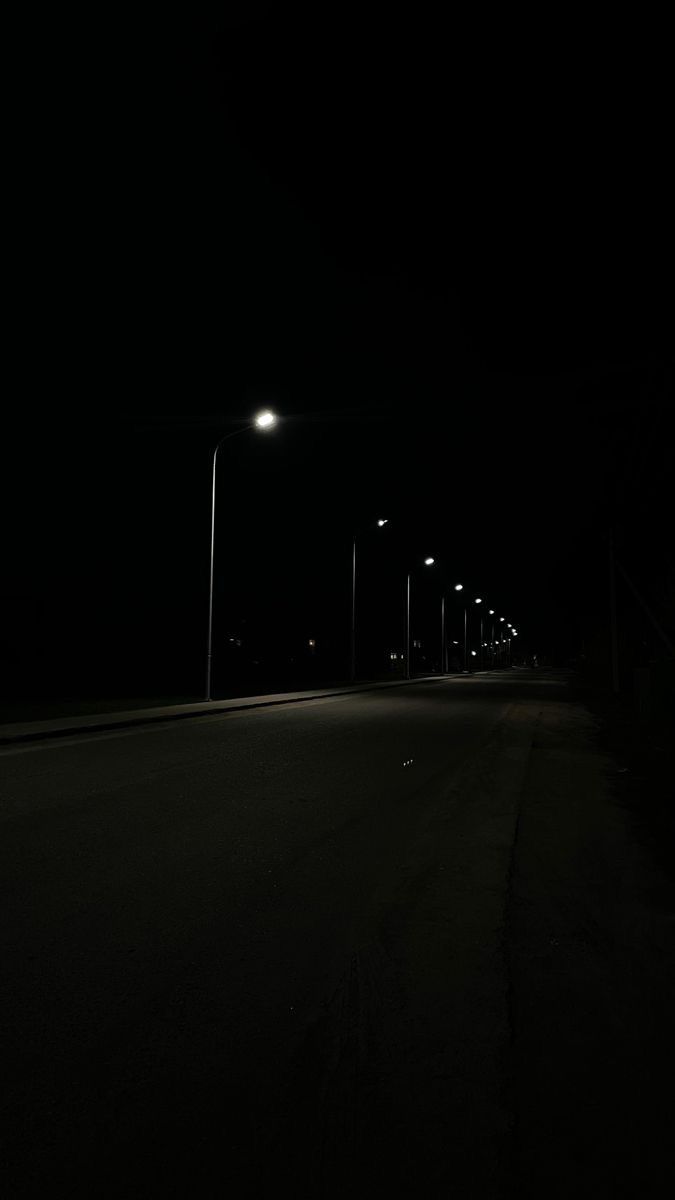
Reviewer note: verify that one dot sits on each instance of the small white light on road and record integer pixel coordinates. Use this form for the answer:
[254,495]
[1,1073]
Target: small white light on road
[429,562]
[383,521]
[459,587]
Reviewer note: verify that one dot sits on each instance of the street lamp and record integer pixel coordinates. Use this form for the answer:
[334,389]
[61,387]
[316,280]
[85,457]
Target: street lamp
[467,655]
[479,600]
[428,562]
[444,634]
[459,587]
[263,420]
[381,522]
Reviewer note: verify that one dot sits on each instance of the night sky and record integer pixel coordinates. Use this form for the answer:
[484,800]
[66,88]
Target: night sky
[445,259]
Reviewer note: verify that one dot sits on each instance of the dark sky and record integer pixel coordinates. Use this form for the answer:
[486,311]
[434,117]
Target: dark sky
[445,257]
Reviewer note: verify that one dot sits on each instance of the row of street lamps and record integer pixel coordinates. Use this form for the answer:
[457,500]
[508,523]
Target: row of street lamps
[429,562]
[459,587]
[266,420]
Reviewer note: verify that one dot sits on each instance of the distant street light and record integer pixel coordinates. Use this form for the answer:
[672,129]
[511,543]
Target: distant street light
[382,521]
[459,587]
[264,420]
[428,562]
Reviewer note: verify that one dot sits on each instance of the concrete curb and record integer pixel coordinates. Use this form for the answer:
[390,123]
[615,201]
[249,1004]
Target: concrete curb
[32,731]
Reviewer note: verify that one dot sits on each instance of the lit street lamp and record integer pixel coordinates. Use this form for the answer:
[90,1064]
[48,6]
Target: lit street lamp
[491,613]
[459,587]
[428,562]
[352,641]
[264,420]
[479,600]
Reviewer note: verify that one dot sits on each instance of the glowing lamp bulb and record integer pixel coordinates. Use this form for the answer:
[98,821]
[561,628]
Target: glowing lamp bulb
[265,420]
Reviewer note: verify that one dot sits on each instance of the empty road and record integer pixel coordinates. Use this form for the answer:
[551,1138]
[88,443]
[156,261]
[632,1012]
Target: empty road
[399,942]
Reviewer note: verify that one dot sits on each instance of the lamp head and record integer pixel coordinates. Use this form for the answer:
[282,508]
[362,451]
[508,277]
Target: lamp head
[265,419]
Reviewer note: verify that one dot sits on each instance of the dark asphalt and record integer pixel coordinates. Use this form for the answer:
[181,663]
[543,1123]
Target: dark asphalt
[334,949]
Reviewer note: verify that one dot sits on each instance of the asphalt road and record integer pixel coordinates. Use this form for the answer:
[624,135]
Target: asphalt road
[328,949]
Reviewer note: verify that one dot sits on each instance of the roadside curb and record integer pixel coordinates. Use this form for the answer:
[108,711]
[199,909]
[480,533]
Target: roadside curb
[72,726]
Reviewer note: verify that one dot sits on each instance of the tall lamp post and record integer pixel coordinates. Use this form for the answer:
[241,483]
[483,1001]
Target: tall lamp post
[264,420]
[509,635]
[459,587]
[491,613]
[428,562]
[352,640]
[479,600]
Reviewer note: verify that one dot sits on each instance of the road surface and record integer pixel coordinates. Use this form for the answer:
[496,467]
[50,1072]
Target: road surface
[397,943]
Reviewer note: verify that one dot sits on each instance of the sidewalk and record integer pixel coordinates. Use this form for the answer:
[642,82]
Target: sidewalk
[27,731]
